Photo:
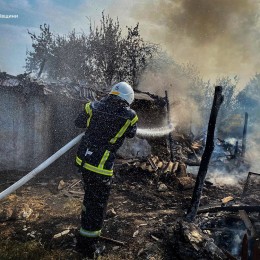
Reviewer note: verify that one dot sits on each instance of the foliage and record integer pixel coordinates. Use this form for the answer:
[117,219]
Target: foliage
[230,103]
[100,58]
[104,47]
[67,59]
[248,98]
[136,54]
[42,46]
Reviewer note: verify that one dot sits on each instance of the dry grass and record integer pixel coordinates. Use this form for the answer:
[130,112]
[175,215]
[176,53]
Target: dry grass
[29,250]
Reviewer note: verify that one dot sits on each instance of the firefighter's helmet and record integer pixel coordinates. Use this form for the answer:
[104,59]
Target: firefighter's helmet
[124,91]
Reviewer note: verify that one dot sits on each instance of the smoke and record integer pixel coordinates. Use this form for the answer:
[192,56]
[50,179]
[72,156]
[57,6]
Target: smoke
[253,148]
[178,81]
[224,178]
[219,37]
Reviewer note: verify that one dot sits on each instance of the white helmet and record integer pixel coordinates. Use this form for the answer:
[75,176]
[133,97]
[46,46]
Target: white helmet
[124,91]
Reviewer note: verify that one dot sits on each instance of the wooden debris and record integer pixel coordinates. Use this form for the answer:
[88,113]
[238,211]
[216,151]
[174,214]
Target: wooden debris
[175,167]
[65,232]
[136,233]
[189,242]
[152,162]
[115,247]
[156,238]
[247,222]
[181,171]
[233,208]
[204,200]
[74,184]
[244,135]
[168,167]
[111,213]
[61,185]
[247,182]
[143,166]
[162,187]
[256,249]
[185,183]
[76,192]
[229,256]
[160,164]
[227,199]
[113,240]
[140,252]
[196,145]
[244,251]
[150,168]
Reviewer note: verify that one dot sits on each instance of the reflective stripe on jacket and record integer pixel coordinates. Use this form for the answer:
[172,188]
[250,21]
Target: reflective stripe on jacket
[107,123]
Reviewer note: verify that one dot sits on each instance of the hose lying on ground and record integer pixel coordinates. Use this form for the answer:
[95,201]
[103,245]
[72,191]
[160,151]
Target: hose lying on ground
[41,167]
[141,132]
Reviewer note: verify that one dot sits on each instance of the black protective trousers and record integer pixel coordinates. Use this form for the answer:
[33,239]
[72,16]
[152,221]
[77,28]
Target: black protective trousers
[97,189]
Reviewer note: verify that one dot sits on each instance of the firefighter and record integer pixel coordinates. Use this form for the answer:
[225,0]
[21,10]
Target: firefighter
[107,123]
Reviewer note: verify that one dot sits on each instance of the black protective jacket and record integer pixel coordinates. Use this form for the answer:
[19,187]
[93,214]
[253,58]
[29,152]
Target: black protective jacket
[108,122]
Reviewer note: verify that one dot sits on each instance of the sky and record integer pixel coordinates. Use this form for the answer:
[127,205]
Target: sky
[220,37]
[62,16]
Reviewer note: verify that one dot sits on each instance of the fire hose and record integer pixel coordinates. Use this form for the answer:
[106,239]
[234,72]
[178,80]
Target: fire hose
[141,132]
[41,167]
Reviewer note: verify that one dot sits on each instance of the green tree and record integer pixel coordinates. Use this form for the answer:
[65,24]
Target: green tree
[248,99]
[100,58]
[68,57]
[136,56]
[104,52]
[42,46]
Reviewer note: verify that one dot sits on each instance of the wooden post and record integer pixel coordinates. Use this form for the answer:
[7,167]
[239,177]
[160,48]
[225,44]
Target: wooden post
[236,150]
[244,135]
[244,251]
[169,121]
[192,211]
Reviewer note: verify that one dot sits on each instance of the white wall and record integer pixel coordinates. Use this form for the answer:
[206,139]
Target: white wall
[24,137]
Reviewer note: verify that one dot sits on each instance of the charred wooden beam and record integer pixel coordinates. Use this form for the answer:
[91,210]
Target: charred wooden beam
[236,150]
[191,163]
[247,182]
[256,249]
[228,255]
[244,135]
[234,208]
[189,242]
[247,222]
[244,251]
[192,211]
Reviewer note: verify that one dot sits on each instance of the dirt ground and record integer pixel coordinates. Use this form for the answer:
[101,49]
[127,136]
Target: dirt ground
[40,220]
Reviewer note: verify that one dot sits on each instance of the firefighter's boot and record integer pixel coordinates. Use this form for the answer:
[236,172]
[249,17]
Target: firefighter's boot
[89,247]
